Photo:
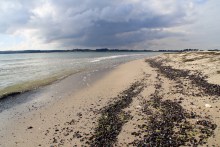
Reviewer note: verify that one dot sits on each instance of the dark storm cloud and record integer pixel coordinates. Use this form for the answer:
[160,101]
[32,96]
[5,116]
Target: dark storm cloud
[95,23]
[15,14]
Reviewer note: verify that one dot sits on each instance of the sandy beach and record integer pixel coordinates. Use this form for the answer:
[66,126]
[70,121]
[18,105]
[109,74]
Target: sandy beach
[166,100]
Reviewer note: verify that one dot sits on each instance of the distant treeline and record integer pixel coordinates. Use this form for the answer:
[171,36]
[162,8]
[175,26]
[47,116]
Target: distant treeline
[98,50]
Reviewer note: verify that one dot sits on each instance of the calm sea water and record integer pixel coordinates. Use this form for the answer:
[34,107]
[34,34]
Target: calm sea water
[21,72]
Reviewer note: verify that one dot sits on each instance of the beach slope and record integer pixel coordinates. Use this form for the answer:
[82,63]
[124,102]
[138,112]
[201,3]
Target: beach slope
[167,100]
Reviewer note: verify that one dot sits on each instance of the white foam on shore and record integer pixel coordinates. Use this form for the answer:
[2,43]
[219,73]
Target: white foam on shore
[111,57]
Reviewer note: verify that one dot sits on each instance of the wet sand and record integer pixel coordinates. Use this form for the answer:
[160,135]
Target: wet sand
[152,102]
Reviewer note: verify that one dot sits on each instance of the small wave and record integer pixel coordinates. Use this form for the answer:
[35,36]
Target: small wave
[31,85]
[111,57]
[95,61]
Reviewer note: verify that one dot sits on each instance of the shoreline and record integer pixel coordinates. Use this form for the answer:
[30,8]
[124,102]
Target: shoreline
[128,106]
[36,116]
[25,85]
[53,92]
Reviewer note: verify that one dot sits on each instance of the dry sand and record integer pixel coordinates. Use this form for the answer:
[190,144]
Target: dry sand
[144,103]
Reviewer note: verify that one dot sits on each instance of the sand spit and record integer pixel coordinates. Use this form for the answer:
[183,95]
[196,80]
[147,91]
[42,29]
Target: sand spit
[167,100]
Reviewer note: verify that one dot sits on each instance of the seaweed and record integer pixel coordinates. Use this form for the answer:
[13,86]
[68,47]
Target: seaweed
[197,79]
[169,124]
[113,117]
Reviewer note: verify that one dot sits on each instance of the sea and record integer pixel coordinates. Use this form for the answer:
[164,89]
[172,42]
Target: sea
[27,71]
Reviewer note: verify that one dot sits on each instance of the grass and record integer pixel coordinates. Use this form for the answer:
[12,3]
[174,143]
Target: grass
[200,55]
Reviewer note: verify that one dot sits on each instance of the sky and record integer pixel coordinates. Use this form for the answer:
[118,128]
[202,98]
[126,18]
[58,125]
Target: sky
[124,24]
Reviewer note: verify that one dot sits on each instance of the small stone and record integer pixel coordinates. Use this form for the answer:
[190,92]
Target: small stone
[208,106]
[65,133]
[138,106]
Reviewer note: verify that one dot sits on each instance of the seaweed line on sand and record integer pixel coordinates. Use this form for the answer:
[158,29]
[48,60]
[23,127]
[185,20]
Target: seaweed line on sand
[113,117]
[168,124]
[197,79]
